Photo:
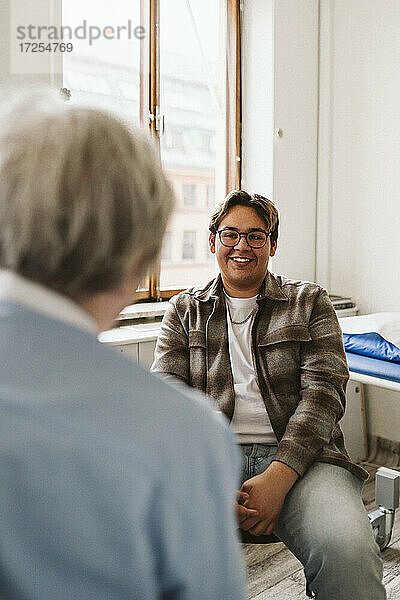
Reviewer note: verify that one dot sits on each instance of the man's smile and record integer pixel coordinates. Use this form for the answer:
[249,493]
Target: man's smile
[241,260]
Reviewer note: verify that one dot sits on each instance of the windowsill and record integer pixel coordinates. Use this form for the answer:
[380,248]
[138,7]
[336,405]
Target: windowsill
[131,334]
[148,310]
[147,315]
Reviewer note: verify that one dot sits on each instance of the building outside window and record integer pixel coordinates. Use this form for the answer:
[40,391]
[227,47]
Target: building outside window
[189,245]
[166,253]
[206,141]
[189,195]
[177,138]
[210,197]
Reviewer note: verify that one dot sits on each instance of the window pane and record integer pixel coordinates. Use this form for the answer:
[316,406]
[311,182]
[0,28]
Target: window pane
[189,195]
[189,245]
[104,67]
[210,197]
[193,147]
[166,248]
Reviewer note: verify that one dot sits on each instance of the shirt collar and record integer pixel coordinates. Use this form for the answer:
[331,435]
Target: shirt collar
[40,299]
[270,288]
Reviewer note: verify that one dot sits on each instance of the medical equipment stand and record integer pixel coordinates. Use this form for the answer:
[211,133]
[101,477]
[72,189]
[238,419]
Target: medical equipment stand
[387,483]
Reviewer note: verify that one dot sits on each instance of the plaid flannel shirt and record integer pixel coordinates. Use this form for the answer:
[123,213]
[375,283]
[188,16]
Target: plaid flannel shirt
[298,357]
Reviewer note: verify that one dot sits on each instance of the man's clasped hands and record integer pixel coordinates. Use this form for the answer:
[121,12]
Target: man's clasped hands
[260,499]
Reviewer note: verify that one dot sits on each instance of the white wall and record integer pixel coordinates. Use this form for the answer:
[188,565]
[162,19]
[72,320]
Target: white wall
[361,124]
[296,115]
[280,89]
[258,105]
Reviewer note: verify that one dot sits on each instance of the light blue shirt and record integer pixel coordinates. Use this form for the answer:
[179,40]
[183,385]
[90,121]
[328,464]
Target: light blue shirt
[113,484]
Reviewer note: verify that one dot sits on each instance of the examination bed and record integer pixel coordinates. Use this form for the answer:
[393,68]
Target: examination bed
[372,344]
[374,371]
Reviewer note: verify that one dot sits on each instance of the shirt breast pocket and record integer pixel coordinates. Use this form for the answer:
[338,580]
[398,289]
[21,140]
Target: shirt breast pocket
[280,354]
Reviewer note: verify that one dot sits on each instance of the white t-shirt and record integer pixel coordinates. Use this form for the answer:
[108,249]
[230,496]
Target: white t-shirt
[250,421]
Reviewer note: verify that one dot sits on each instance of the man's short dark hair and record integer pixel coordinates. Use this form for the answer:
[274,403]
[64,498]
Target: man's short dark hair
[264,207]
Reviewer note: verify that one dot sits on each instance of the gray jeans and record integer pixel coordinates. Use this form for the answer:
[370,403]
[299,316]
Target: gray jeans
[325,525]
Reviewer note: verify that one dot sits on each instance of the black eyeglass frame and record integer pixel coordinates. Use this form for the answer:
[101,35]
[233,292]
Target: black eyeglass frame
[241,233]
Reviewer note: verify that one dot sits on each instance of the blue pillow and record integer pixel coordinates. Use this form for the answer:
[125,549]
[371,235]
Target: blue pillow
[371,344]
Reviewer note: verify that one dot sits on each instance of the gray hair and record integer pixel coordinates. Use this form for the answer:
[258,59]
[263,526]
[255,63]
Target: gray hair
[82,197]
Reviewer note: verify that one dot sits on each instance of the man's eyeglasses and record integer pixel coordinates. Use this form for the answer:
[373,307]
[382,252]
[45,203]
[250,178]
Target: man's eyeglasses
[255,239]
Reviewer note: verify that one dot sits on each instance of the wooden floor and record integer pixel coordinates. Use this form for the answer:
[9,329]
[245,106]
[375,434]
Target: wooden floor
[275,574]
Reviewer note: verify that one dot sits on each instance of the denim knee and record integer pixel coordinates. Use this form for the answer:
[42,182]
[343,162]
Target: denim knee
[326,526]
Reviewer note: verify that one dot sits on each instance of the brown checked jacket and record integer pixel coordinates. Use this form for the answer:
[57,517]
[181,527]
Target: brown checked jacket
[298,357]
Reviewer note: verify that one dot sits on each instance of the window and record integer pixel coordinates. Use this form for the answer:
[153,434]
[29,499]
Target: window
[166,248]
[182,80]
[189,195]
[104,72]
[129,90]
[177,138]
[189,245]
[206,141]
[196,47]
[210,197]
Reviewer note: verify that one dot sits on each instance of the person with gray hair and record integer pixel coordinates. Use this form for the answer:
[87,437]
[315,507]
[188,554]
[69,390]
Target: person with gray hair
[114,484]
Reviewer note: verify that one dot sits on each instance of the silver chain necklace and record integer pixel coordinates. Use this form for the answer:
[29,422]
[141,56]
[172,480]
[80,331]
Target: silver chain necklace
[251,313]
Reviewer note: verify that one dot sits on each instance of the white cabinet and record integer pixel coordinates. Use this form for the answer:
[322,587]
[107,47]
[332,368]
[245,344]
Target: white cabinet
[134,341]
[146,352]
[142,351]
[131,350]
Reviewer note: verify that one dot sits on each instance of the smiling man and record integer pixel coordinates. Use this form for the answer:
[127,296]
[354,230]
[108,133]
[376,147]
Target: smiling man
[268,350]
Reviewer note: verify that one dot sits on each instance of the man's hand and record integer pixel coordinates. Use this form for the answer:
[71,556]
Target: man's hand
[243,513]
[267,493]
